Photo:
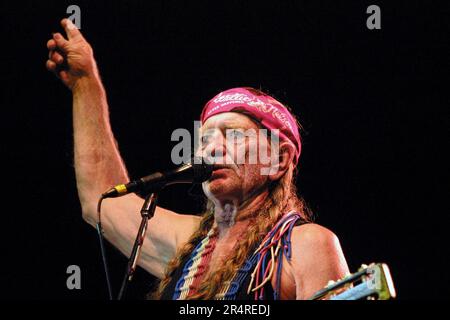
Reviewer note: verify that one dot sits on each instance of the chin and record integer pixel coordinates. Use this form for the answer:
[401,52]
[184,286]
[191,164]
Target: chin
[218,189]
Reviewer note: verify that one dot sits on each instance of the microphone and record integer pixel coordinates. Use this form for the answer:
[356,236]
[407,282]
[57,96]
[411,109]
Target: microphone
[197,171]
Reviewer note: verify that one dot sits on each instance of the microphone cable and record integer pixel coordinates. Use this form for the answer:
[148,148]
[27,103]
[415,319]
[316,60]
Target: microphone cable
[102,247]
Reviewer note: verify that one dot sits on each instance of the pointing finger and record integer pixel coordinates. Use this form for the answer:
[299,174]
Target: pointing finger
[71,29]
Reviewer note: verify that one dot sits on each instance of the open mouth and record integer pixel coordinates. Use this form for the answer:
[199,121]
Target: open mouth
[220,167]
[219,171]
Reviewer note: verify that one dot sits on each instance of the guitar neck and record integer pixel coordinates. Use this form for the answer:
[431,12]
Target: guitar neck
[362,290]
[373,281]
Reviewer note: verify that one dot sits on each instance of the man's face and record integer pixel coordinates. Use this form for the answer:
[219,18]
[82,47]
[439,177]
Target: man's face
[228,141]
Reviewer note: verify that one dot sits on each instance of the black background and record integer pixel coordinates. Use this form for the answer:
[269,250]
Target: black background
[371,102]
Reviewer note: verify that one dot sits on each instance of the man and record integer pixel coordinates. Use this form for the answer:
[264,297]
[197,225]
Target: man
[253,242]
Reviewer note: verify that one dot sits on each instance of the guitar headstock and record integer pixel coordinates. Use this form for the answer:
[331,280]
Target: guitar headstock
[371,282]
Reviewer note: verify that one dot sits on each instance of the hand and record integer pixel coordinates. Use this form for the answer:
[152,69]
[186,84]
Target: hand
[70,59]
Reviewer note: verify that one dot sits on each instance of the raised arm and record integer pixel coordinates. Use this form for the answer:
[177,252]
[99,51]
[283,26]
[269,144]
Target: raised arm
[98,164]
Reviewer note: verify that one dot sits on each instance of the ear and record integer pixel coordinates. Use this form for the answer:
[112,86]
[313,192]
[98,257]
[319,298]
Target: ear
[285,157]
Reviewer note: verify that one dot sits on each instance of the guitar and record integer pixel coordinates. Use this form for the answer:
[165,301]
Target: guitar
[371,282]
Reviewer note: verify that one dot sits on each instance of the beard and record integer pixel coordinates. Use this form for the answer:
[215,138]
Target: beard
[223,189]
[234,186]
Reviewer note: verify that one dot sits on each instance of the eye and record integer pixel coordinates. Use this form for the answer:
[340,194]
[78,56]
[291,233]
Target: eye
[204,140]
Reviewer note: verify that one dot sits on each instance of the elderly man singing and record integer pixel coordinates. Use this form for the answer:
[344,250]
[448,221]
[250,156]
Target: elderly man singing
[254,240]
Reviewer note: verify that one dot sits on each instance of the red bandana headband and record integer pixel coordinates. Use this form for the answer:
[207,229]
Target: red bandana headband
[270,112]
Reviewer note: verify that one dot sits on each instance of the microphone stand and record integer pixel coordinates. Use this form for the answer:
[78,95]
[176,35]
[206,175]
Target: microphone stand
[147,212]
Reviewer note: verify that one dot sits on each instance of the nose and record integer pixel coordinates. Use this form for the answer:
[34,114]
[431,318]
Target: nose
[218,151]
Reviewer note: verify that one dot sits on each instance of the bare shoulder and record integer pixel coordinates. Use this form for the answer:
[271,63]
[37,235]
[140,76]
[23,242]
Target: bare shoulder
[317,257]
[313,234]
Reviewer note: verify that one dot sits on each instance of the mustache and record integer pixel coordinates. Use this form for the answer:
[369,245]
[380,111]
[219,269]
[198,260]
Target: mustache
[221,163]
[224,166]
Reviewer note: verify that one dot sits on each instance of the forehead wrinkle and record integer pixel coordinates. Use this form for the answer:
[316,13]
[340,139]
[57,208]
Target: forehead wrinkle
[244,123]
